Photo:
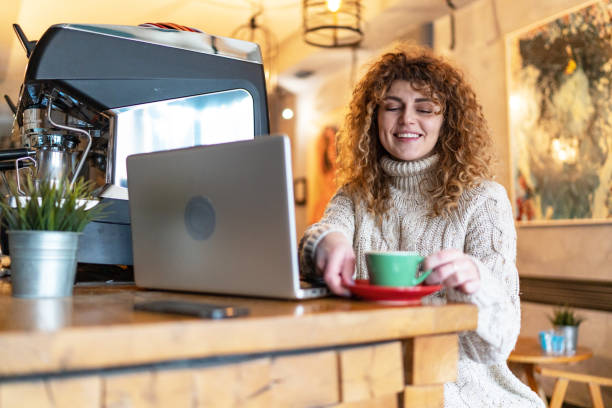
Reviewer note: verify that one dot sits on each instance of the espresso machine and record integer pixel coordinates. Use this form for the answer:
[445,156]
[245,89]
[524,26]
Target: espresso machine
[94,94]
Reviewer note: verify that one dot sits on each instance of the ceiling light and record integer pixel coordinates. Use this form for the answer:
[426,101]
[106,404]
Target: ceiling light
[287,113]
[333,5]
[332,23]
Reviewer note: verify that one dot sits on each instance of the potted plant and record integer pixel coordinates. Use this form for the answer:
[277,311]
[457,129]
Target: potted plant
[43,228]
[566,323]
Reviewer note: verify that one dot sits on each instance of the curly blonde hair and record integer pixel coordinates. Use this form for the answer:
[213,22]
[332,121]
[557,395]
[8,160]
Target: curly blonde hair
[463,146]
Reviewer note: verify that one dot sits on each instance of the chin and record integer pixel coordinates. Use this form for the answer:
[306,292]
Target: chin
[409,156]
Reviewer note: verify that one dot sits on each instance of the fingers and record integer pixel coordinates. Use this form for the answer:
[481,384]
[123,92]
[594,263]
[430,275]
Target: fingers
[454,269]
[339,270]
[442,257]
[336,260]
[470,287]
[348,268]
[452,273]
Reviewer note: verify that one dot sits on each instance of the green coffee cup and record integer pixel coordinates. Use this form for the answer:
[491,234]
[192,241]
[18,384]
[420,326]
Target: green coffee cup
[398,268]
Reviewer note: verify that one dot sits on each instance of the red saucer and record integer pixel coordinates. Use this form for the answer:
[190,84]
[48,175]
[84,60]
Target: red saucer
[389,294]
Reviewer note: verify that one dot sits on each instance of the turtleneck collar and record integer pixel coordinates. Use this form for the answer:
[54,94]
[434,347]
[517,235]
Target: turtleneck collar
[410,176]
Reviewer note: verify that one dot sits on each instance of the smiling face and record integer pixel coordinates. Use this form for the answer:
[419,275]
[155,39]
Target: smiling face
[409,122]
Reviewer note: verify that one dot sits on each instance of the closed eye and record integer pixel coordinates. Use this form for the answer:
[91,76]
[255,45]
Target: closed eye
[393,108]
[425,108]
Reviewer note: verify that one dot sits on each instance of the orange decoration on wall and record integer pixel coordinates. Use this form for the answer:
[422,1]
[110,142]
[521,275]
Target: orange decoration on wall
[323,183]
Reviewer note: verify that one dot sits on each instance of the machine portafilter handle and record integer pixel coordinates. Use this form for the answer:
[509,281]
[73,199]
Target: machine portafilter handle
[14,154]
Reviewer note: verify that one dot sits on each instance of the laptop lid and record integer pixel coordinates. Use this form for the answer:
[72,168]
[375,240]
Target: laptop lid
[216,219]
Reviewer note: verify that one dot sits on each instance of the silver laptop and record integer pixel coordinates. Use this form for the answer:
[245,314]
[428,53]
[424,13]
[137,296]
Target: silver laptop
[217,219]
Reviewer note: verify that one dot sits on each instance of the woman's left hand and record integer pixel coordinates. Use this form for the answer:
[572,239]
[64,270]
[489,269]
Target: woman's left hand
[453,269]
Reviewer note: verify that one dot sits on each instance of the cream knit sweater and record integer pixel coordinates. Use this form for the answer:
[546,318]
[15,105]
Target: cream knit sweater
[482,227]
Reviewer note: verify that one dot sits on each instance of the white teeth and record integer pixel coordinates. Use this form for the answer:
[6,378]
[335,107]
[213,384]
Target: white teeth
[408,135]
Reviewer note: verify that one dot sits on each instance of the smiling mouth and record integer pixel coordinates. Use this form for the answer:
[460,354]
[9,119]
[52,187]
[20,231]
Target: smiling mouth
[408,135]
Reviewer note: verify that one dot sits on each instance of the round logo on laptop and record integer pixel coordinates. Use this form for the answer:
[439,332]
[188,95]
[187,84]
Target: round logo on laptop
[200,218]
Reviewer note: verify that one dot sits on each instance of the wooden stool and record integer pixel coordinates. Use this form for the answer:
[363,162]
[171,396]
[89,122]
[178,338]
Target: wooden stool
[564,377]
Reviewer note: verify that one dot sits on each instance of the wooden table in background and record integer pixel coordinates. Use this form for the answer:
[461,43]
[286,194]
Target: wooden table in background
[528,353]
[94,350]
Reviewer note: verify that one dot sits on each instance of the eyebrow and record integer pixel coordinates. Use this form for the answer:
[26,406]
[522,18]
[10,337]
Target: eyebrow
[395,98]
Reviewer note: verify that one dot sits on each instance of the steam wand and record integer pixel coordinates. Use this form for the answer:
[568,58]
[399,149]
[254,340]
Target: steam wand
[10,104]
[84,132]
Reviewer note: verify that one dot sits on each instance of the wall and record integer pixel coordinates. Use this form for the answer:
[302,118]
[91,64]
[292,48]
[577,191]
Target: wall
[320,102]
[10,11]
[570,251]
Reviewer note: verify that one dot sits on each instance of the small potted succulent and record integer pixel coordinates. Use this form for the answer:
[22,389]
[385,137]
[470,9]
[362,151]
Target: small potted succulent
[43,227]
[566,322]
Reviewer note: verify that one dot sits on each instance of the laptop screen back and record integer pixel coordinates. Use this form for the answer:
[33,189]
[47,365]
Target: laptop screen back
[216,219]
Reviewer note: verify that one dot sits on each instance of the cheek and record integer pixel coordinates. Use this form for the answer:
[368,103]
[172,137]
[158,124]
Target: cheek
[436,127]
[380,121]
[385,124]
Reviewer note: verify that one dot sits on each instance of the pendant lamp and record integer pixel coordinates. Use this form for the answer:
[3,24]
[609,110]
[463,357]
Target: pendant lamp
[332,23]
[268,44]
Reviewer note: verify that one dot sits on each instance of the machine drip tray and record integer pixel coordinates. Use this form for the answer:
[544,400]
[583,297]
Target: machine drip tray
[89,274]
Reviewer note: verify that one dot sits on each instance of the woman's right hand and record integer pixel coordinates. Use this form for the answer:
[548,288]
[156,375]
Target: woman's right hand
[335,260]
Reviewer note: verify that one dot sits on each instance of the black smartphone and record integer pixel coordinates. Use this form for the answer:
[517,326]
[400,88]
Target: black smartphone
[183,307]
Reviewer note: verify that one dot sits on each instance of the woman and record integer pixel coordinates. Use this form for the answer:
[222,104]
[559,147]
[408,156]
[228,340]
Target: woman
[414,166]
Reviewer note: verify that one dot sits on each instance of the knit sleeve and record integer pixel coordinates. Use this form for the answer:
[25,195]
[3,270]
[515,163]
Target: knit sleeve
[339,216]
[491,241]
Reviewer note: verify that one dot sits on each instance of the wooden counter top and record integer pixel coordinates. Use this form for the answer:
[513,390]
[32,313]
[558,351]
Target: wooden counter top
[94,350]
[97,327]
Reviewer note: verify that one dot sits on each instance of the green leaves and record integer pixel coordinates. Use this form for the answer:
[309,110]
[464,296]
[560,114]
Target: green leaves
[50,206]
[564,316]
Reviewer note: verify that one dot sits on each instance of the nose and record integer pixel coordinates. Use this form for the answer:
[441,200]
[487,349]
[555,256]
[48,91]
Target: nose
[407,117]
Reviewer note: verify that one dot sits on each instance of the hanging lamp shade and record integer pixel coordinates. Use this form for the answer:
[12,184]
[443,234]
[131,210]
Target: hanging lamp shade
[332,23]
[268,45]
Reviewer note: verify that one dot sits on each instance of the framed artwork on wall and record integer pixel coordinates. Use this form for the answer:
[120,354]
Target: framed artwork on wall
[560,117]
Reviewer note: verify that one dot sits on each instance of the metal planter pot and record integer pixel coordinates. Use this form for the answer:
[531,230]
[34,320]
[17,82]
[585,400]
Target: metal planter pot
[570,338]
[43,263]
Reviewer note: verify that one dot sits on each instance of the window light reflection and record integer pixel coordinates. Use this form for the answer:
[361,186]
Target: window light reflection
[200,120]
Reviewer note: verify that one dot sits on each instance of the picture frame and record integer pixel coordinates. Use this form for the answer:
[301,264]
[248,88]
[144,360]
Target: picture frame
[559,85]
